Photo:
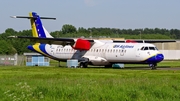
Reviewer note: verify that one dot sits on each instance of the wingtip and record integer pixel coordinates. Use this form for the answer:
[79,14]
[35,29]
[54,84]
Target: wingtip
[12,36]
[13,16]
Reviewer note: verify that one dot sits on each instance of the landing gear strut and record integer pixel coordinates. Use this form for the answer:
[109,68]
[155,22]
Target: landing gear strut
[108,66]
[59,64]
[153,66]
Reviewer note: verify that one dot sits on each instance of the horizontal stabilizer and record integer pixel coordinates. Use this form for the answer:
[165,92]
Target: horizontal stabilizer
[27,17]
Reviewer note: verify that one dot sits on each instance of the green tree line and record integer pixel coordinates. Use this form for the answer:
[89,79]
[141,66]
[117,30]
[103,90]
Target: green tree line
[12,46]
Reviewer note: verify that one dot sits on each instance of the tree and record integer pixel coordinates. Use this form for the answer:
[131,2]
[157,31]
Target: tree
[56,34]
[6,48]
[68,29]
[82,30]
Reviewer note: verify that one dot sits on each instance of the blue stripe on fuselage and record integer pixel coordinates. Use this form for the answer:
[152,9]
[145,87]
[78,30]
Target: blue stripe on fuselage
[42,50]
[30,47]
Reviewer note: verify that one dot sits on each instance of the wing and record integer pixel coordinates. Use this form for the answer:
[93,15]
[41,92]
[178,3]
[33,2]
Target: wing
[58,41]
[142,41]
[79,44]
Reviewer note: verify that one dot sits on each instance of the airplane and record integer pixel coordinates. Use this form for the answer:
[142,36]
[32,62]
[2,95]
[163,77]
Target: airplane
[90,51]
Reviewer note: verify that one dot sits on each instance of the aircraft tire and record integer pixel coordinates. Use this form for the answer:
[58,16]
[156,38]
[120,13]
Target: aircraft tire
[108,66]
[83,65]
[153,66]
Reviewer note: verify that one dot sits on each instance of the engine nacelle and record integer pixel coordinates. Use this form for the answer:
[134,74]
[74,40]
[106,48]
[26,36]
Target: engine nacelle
[82,45]
[131,41]
[97,61]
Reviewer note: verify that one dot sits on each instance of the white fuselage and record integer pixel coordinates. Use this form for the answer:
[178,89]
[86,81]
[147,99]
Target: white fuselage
[105,53]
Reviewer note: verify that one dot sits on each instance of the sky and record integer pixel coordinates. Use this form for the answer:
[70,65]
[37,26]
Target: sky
[120,14]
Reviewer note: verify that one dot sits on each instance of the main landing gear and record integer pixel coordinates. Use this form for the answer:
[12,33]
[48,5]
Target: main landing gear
[83,65]
[83,62]
[108,66]
[153,66]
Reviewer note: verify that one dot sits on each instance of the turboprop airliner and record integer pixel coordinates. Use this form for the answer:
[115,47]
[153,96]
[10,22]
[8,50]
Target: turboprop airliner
[89,51]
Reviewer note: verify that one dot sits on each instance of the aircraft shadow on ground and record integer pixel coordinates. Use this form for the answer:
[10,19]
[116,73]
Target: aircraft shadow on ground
[130,67]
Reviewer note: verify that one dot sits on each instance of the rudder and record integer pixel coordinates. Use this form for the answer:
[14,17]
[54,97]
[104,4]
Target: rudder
[38,29]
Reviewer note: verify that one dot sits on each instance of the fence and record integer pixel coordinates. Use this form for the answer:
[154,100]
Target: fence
[8,60]
[171,54]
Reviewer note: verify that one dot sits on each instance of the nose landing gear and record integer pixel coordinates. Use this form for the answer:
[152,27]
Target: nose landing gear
[153,66]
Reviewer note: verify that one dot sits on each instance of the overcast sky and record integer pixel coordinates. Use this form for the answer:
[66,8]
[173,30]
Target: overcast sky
[123,14]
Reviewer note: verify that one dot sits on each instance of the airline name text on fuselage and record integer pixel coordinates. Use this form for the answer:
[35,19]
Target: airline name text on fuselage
[123,46]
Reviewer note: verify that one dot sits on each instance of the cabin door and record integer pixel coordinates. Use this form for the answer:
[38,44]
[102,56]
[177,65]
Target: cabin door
[52,49]
[138,53]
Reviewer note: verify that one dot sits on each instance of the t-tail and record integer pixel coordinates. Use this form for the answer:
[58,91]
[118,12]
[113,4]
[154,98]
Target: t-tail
[38,29]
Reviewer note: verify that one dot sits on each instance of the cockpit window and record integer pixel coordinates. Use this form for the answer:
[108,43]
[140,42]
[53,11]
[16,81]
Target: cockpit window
[146,48]
[155,48]
[151,48]
[142,48]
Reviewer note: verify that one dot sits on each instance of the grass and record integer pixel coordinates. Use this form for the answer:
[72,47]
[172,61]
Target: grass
[163,64]
[89,84]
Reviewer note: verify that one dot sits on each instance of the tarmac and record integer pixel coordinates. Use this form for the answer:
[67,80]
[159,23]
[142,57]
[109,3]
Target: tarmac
[148,68]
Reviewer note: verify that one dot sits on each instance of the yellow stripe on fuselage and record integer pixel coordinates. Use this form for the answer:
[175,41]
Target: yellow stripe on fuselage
[152,55]
[33,26]
[36,47]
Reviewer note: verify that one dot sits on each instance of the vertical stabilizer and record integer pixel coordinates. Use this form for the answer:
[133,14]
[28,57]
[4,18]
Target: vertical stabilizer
[38,29]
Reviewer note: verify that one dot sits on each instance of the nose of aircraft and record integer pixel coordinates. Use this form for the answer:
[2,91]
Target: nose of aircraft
[159,57]
[156,58]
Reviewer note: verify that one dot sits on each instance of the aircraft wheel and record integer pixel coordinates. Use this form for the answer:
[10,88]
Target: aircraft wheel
[83,65]
[153,66]
[108,66]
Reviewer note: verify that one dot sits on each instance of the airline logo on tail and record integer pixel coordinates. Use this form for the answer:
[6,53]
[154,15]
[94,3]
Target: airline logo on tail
[38,31]
[37,28]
